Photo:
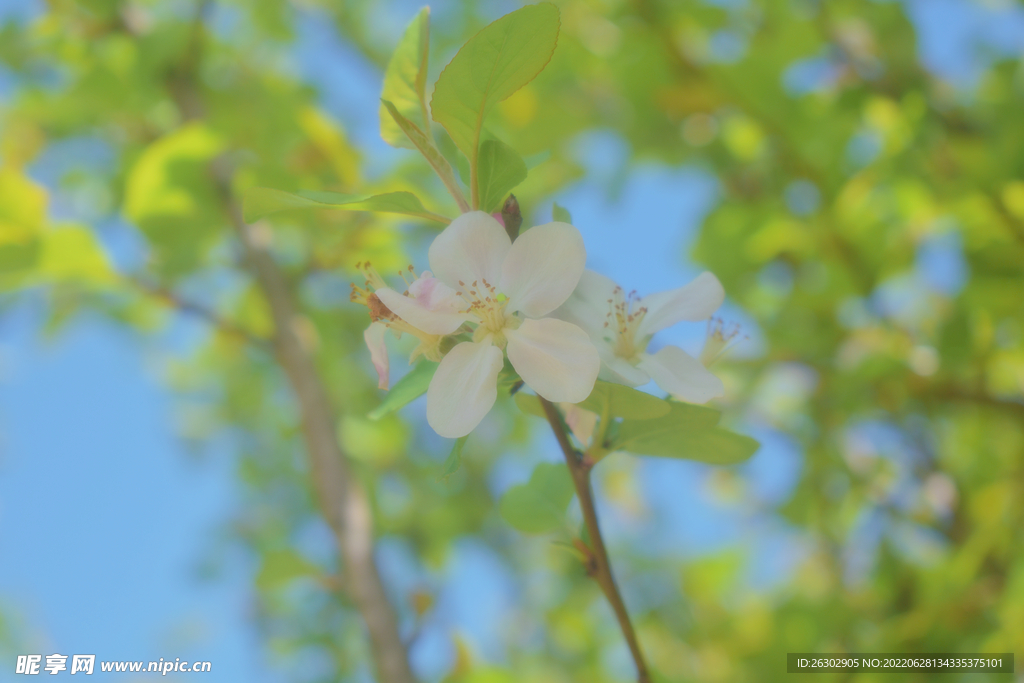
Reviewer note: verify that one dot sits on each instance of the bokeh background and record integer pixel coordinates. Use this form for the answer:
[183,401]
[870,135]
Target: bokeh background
[851,170]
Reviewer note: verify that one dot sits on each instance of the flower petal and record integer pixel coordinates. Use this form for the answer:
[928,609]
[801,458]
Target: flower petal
[554,358]
[463,389]
[542,268]
[696,301]
[615,369]
[374,338]
[581,422]
[682,375]
[472,247]
[588,306]
[433,294]
[445,320]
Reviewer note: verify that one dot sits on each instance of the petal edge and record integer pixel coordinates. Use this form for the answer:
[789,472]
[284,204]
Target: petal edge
[463,389]
[555,358]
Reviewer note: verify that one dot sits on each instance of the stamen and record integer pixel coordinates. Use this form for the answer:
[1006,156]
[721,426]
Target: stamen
[721,337]
[378,311]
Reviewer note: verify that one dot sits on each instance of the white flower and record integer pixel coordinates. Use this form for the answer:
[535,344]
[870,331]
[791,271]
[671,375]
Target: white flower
[506,289]
[426,290]
[622,326]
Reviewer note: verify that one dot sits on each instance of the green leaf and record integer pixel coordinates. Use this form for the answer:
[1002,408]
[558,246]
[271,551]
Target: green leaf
[73,253]
[22,216]
[436,160]
[407,389]
[679,416]
[493,64]
[18,262]
[571,549]
[560,213]
[454,460]
[456,159]
[22,206]
[500,170]
[405,83]
[625,402]
[681,435]
[539,505]
[282,566]
[535,160]
[713,575]
[168,195]
[508,377]
[260,202]
[529,404]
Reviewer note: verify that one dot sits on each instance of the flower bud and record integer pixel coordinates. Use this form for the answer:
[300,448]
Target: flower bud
[512,217]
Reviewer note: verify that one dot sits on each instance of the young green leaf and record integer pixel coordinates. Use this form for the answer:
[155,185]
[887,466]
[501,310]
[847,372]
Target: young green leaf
[405,82]
[22,217]
[535,160]
[500,170]
[410,387]
[571,549]
[456,159]
[626,402]
[426,147]
[529,404]
[679,416]
[167,194]
[280,567]
[73,253]
[454,460]
[713,445]
[539,505]
[560,213]
[622,401]
[260,202]
[22,206]
[18,262]
[493,64]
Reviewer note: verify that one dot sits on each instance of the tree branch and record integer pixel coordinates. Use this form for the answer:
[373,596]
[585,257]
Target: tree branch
[171,298]
[340,495]
[600,568]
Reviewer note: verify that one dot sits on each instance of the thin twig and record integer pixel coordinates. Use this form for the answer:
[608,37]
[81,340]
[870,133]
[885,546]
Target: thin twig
[600,568]
[171,298]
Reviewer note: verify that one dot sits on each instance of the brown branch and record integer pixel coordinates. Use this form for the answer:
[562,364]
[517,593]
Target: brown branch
[1013,224]
[954,394]
[171,298]
[599,566]
[339,493]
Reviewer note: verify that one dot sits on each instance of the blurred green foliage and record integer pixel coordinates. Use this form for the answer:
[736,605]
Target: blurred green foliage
[827,198]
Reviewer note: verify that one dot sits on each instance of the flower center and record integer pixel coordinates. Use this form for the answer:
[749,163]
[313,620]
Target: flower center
[488,306]
[367,296]
[623,319]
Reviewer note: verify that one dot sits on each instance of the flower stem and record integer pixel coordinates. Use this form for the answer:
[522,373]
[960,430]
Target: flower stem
[600,568]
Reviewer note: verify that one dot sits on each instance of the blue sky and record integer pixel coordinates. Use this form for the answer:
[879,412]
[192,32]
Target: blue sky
[105,517]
